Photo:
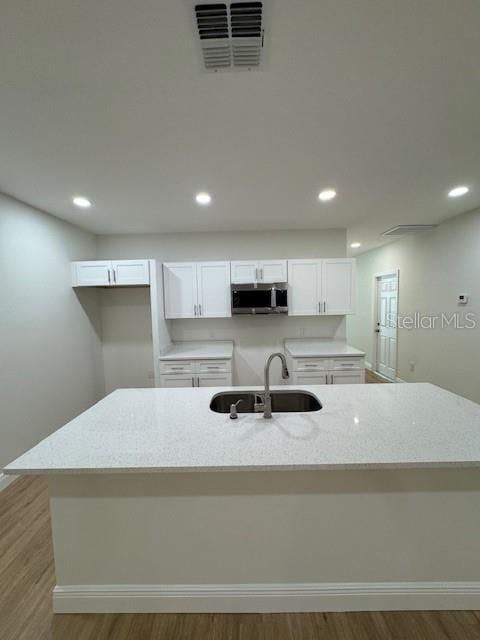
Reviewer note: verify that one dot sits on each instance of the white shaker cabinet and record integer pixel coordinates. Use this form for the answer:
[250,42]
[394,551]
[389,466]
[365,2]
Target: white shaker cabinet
[338,286]
[213,289]
[197,289]
[304,287]
[110,273]
[246,271]
[321,286]
[130,272]
[180,289]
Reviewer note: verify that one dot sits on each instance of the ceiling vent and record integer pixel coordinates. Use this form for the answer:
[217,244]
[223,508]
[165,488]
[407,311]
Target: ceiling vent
[402,229]
[231,34]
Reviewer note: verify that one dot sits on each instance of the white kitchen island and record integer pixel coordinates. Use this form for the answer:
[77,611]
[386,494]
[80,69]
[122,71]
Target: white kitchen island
[160,504]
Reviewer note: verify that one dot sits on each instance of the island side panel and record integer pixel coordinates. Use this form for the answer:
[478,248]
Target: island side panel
[267,541]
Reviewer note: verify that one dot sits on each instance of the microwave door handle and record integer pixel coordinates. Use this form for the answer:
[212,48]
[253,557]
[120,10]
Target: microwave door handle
[273,299]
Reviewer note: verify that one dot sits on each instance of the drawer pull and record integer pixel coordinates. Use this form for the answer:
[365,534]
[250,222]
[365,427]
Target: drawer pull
[217,367]
[179,368]
[311,365]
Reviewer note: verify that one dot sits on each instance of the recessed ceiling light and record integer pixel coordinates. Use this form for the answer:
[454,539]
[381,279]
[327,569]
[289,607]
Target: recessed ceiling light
[355,245]
[203,198]
[81,202]
[327,194]
[456,192]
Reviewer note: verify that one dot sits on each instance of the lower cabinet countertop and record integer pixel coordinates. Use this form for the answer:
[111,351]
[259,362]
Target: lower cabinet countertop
[320,348]
[214,350]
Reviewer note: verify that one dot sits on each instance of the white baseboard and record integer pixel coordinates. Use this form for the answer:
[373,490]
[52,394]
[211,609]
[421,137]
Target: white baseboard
[6,480]
[260,598]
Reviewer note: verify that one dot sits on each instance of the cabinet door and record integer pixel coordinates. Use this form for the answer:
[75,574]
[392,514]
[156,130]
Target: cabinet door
[130,272]
[213,282]
[309,378]
[180,289]
[304,280]
[244,272]
[346,377]
[177,380]
[273,270]
[338,286]
[214,380]
[92,274]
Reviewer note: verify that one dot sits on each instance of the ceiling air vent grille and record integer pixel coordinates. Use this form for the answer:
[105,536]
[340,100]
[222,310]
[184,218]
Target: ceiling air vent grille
[231,34]
[402,229]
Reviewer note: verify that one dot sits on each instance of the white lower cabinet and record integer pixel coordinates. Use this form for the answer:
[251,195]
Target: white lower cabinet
[195,373]
[339,370]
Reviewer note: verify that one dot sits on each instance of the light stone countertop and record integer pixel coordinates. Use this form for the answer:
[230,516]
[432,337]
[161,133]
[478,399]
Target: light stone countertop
[320,348]
[215,350]
[360,426]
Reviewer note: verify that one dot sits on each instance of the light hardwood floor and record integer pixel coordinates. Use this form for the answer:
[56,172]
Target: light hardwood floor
[27,578]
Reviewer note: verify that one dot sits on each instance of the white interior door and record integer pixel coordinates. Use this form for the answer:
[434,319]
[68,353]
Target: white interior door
[213,281]
[180,289]
[304,293]
[338,286]
[273,270]
[386,325]
[244,271]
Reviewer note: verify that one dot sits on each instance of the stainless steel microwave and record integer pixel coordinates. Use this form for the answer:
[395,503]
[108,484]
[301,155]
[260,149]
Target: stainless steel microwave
[259,298]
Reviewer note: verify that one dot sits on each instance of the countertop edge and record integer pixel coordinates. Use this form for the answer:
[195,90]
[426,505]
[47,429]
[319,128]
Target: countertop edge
[462,464]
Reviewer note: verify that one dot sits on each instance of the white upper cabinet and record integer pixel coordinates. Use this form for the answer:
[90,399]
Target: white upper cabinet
[304,287]
[180,289]
[197,290]
[338,286]
[91,274]
[130,272]
[273,270]
[213,284]
[321,287]
[246,271]
[108,273]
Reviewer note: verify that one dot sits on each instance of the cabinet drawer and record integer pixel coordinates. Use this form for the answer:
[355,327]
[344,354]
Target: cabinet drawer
[214,380]
[337,364]
[310,364]
[177,380]
[214,366]
[176,366]
[309,378]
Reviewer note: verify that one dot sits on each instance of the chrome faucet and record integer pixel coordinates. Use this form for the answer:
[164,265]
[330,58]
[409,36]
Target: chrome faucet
[266,407]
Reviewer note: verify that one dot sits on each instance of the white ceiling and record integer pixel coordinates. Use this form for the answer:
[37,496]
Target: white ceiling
[377,98]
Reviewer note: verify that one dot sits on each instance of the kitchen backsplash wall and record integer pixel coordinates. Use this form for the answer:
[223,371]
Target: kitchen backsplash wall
[126,335]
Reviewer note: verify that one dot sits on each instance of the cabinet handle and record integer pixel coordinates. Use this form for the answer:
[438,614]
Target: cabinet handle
[109,281]
[193,381]
[324,307]
[256,274]
[198,381]
[114,277]
[195,309]
[213,367]
[178,368]
[319,307]
[261,274]
[199,309]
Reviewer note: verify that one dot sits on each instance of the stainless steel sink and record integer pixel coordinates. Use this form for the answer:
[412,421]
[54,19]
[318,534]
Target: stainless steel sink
[282,401]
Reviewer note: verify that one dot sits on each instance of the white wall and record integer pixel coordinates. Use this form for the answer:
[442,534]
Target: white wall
[126,332]
[435,266]
[50,349]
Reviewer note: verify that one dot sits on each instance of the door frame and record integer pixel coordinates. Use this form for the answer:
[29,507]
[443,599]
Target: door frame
[376,278]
